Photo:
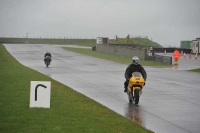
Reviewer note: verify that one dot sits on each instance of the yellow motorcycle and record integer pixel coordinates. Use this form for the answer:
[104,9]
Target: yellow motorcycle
[135,86]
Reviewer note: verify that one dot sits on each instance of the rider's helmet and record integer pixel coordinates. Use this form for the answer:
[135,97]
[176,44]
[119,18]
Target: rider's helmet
[135,60]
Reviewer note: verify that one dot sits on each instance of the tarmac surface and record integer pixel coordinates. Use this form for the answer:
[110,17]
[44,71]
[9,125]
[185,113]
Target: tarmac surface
[170,102]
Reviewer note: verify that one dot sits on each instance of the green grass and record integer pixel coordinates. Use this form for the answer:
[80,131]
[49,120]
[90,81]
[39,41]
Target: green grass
[70,112]
[143,42]
[115,58]
[49,40]
[195,70]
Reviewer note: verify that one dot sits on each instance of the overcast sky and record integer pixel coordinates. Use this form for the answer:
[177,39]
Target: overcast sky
[165,21]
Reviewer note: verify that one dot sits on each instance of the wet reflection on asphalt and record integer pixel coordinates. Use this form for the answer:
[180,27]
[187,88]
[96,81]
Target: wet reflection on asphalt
[133,113]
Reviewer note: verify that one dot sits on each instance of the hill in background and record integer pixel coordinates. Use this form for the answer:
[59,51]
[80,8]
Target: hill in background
[142,42]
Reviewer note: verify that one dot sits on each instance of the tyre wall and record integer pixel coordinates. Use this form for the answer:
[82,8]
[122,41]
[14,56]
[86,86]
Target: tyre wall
[164,59]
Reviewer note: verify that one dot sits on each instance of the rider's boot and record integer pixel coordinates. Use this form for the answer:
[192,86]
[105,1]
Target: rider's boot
[125,89]
[140,91]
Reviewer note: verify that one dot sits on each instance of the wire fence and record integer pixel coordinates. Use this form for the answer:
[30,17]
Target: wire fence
[42,36]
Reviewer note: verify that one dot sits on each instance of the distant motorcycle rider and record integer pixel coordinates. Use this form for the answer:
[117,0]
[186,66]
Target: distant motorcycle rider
[48,54]
[133,67]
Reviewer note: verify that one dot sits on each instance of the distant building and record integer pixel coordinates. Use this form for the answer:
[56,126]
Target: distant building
[185,44]
[102,40]
[195,45]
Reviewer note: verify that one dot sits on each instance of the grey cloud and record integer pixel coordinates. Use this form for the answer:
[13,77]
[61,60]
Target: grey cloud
[166,21]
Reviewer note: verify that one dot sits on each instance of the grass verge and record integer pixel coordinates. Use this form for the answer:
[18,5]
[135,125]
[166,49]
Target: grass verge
[119,59]
[115,58]
[195,70]
[70,111]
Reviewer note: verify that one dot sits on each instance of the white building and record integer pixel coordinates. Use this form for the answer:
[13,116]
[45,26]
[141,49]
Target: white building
[195,45]
[102,40]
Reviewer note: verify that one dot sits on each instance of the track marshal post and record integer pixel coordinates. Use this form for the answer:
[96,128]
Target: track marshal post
[176,55]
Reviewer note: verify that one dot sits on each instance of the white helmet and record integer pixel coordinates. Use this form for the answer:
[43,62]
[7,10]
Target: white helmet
[135,60]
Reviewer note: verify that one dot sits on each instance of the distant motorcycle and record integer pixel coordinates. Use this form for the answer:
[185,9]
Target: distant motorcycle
[47,61]
[135,86]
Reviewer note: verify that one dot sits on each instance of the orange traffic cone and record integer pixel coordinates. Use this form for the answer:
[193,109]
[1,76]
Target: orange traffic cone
[196,56]
[184,55]
[165,52]
[190,56]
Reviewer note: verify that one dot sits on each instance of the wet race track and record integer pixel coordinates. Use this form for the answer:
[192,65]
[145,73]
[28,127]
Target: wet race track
[170,102]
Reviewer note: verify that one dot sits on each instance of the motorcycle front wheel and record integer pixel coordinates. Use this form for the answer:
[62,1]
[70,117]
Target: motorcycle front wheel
[137,96]
[47,63]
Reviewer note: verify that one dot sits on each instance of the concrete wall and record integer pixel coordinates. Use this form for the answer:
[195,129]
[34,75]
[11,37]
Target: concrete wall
[123,51]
